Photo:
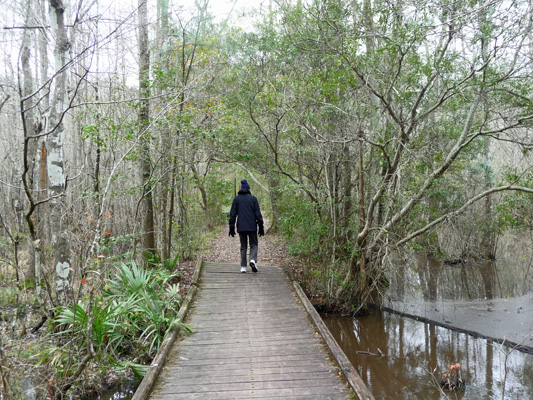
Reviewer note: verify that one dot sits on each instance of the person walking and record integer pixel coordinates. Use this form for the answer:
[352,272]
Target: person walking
[245,210]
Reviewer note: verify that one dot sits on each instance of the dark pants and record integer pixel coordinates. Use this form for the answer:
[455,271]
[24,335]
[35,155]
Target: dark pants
[245,237]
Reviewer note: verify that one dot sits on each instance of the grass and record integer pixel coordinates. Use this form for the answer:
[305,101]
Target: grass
[8,296]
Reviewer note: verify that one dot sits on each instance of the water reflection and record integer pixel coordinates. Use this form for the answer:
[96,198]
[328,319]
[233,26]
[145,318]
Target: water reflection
[124,393]
[412,350]
[491,299]
[433,279]
[28,388]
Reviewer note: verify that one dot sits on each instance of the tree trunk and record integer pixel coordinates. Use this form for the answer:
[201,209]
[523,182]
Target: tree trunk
[168,243]
[362,223]
[166,134]
[275,198]
[347,186]
[55,161]
[41,213]
[28,116]
[203,193]
[147,209]
[331,179]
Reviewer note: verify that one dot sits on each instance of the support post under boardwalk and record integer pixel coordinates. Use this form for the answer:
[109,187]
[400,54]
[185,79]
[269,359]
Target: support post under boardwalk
[253,339]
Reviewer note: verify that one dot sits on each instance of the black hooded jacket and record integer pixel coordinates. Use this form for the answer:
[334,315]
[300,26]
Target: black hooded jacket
[246,207]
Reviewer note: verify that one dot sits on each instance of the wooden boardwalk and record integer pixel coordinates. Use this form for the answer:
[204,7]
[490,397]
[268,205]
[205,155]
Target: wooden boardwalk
[253,340]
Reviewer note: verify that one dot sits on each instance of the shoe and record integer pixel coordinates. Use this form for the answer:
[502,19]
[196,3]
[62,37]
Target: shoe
[243,270]
[252,264]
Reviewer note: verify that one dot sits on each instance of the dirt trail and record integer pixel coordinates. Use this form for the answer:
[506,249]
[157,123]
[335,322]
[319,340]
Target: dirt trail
[224,248]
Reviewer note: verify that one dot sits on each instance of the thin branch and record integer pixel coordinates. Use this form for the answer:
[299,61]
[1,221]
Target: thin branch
[4,101]
[462,209]
[7,229]
[253,177]
[452,155]
[274,150]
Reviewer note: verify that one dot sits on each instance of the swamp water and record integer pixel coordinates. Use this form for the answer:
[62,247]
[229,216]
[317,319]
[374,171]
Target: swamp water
[415,354]
[402,358]
[125,393]
[115,396]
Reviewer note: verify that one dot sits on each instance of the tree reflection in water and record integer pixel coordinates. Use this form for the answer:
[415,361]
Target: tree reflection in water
[433,279]
[412,350]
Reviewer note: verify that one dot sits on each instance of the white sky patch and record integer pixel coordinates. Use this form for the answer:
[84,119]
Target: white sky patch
[222,10]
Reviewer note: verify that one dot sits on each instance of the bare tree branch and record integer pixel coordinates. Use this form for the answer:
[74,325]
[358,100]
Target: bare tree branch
[253,177]
[463,208]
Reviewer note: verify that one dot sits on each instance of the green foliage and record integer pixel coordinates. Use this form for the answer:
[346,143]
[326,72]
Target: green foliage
[130,319]
[104,316]
[116,246]
[515,209]
[163,267]
[138,370]
[220,194]
[60,359]
[154,308]
[8,295]
[188,240]
[306,233]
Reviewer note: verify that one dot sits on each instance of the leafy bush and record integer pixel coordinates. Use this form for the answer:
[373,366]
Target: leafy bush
[128,322]
[306,233]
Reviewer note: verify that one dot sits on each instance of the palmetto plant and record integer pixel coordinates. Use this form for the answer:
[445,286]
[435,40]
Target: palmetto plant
[106,319]
[135,312]
[155,307]
[129,280]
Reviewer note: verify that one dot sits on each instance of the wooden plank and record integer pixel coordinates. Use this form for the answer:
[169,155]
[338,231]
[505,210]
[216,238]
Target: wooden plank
[245,385]
[360,388]
[249,377]
[232,333]
[253,339]
[239,369]
[318,393]
[243,353]
[266,346]
[260,395]
[235,338]
[308,358]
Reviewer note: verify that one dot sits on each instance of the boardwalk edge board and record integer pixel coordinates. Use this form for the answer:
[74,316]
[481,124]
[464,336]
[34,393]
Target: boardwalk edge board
[353,378]
[145,388]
